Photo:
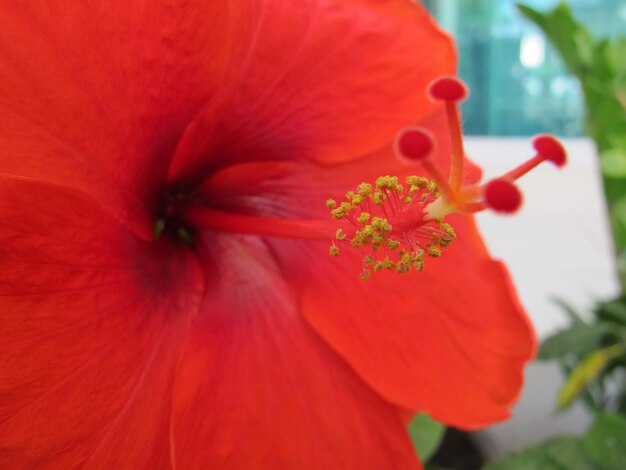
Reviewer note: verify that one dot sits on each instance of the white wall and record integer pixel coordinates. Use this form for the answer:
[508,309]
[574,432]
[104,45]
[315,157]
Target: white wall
[558,245]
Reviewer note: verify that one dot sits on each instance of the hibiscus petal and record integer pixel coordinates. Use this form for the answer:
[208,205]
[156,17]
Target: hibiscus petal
[451,341]
[91,321]
[257,388]
[320,80]
[96,94]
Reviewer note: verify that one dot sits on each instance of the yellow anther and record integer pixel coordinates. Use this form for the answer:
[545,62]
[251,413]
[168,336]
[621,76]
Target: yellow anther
[393,244]
[378,197]
[331,203]
[341,211]
[381,224]
[365,190]
[333,250]
[388,264]
[448,229]
[338,213]
[389,183]
[366,275]
[364,217]
[365,234]
[340,234]
[377,241]
[417,181]
[355,199]
[443,242]
[402,268]
[368,260]
[433,251]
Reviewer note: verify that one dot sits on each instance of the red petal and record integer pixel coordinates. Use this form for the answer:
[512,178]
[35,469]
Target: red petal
[257,388]
[91,325]
[323,80]
[451,341]
[96,94]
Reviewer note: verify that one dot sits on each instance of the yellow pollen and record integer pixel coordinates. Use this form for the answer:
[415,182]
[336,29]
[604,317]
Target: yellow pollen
[433,251]
[364,217]
[365,189]
[387,222]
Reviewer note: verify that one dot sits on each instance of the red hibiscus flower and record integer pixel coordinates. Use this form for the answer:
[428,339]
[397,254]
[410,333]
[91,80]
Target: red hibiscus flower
[136,335]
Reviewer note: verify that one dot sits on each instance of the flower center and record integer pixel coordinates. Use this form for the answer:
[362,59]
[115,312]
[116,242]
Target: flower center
[169,220]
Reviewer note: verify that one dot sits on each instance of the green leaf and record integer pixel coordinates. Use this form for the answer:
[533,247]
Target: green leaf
[561,453]
[526,460]
[588,398]
[573,315]
[617,214]
[579,339]
[585,372]
[568,452]
[612,311]
[605,442]
[426,434]
[613,162]
[572,40]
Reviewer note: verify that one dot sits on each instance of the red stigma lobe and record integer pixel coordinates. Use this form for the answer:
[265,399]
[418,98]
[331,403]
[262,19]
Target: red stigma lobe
[415,144]
[502,196]
[550,149]
[448,89]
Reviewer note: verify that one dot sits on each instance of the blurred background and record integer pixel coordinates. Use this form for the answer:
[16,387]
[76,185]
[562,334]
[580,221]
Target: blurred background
[519,86]
[559,245]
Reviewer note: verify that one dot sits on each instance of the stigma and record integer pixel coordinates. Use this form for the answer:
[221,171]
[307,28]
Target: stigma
[396,226]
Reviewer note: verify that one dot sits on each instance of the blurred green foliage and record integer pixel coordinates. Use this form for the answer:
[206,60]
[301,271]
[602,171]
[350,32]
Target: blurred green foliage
[426,434]
[562,453]
[603,447]
[593,355]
